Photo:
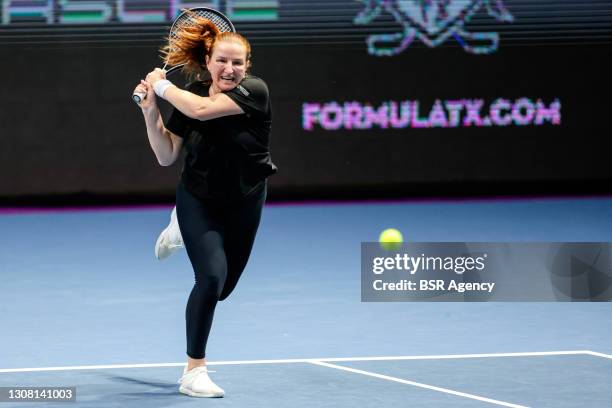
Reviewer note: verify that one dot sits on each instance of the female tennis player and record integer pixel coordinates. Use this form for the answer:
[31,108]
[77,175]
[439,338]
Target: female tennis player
[223,121]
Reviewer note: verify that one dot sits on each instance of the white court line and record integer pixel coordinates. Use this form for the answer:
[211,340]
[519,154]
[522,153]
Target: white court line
[301,360]
[420,385]
[596,354]
[458,356]
[89,367]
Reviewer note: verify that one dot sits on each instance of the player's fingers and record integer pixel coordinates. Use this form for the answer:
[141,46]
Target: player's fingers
[160,72]
[151,77]
[148,89]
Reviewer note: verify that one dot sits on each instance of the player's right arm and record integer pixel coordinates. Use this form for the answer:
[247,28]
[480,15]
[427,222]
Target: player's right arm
[165,144]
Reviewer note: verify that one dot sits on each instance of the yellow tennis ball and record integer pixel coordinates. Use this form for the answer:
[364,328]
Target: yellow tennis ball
[390,239]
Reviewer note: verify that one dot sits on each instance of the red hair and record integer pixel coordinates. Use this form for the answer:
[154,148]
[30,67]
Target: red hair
[195,41]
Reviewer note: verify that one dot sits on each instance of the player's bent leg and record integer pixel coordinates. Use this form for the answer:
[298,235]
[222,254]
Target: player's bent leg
[240,236]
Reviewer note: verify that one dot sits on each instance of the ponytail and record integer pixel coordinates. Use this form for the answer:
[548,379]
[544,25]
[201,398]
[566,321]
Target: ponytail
[190,44]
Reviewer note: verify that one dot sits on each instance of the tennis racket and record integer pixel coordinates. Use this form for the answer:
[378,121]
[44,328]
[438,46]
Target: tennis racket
[186,18]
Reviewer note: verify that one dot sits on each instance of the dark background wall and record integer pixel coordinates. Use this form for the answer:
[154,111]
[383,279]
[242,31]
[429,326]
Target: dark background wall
[70,131]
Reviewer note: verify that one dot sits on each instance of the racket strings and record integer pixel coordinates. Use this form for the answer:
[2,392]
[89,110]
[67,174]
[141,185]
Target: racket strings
[190,18]
[219,21]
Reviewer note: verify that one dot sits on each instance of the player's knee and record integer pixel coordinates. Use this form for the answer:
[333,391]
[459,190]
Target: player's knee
[211,286]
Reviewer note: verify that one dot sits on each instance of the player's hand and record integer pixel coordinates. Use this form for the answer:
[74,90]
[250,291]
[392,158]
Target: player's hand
[155,75]
[149,101]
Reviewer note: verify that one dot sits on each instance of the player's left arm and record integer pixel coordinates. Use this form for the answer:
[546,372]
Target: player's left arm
[192,105]
[202,107]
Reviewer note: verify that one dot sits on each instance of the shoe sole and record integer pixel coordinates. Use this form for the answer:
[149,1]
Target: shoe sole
[170,249]
[191,393]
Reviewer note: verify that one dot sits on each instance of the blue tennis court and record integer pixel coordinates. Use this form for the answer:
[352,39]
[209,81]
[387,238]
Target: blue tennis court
[86,304]
[469,135]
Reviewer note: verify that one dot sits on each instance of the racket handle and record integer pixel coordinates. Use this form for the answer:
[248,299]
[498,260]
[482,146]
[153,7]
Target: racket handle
[138,97]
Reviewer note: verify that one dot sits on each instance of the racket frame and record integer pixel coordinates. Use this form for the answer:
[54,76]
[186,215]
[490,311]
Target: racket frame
[138,97]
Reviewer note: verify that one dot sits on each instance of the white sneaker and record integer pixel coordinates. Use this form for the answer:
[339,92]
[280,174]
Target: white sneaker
[197,383]
[170,240]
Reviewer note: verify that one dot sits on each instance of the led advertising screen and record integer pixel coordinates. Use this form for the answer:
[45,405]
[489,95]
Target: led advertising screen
[368,96]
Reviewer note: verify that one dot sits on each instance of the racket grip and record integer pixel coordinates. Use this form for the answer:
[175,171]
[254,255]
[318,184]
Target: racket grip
[138,97]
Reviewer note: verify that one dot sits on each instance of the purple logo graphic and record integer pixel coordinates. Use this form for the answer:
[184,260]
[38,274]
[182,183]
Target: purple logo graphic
[433,22]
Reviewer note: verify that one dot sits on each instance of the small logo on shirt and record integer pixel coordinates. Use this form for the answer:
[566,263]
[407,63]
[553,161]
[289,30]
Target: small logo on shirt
[243,90]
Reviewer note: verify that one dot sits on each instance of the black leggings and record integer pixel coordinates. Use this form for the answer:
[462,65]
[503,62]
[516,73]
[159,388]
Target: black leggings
[218,239]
